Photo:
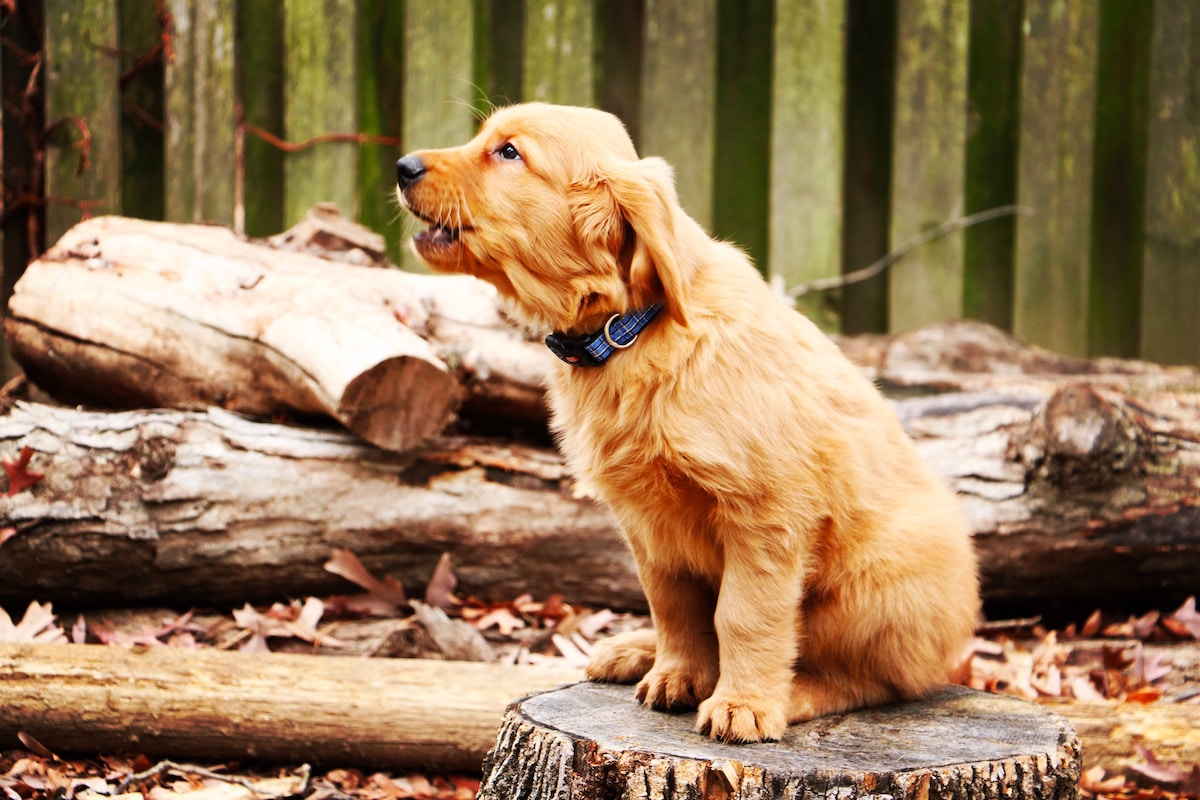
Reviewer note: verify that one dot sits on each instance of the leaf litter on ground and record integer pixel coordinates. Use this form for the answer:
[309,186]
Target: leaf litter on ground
[1099,661]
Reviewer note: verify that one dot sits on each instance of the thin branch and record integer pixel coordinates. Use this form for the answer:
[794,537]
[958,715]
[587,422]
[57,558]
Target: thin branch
[304,773]
[296,147]
[866,273]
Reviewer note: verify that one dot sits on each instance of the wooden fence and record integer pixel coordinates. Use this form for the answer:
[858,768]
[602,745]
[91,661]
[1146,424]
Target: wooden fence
[820,134]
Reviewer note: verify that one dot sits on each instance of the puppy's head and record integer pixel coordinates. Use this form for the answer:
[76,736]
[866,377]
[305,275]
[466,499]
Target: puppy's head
[552,205]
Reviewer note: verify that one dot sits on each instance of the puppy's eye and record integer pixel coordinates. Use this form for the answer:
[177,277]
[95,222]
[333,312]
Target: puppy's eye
[508,152]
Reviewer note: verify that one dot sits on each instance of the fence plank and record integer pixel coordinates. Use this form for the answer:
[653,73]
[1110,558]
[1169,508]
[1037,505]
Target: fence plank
[439,46]
[870,73]
[260,64]
[381,86]
[1054,177]
[319,98]
[1171,277]
[201,117]
[559,49]
[679,96]
[928,159]
[994,118]
[807,130]
[142,108]
[81,82]
[742,172]
[1119,177]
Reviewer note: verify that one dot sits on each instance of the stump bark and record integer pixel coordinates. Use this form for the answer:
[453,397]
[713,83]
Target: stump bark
[595,741]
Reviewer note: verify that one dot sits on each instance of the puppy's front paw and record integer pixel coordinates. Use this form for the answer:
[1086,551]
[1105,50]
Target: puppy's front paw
[675,688]
[740,719]
[623,658]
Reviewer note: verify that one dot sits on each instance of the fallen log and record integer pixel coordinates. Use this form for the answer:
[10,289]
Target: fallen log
[1078,497]
[128,313]
[590,740]
[210,508]
[211,704]
[374,712]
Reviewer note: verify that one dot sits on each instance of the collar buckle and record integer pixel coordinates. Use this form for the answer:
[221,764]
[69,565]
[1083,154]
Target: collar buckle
[593,349]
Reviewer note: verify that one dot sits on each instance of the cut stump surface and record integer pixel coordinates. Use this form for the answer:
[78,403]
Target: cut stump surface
[595,741]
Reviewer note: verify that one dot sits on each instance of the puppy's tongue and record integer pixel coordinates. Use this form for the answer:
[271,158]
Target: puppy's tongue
[436,234]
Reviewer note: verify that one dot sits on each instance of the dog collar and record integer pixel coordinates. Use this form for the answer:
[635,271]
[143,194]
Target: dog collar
[593,349]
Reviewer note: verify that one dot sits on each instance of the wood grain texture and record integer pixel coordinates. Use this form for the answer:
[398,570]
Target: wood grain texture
[928,160]
[1058,90]
[591,740]
[807,120]
[193,315]
[211,704]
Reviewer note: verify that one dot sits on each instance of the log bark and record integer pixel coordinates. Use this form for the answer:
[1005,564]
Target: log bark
[210,508]
[210,704]
[129,313]
[293,708]
[1079,498]
[588,740]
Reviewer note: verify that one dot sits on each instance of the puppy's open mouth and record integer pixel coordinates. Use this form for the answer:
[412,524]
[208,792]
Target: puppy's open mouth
[437,235]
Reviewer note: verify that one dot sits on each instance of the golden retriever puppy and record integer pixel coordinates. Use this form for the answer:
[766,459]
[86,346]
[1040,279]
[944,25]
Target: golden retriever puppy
[799,557]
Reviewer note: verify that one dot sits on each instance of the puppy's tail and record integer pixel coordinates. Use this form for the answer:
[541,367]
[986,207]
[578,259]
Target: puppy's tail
[624,658]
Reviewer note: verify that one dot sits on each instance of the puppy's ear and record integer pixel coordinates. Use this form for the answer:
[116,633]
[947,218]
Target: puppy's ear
[640,198]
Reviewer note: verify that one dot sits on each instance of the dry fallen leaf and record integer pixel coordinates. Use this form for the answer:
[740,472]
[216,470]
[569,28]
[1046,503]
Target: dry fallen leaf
[440,591]
[37,626]
[20,477]
[1186,619]
[383,598]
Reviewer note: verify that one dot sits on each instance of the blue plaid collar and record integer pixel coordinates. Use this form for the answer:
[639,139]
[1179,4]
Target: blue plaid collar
[593,349]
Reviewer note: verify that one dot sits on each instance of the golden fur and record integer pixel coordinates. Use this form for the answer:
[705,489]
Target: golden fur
[799,557]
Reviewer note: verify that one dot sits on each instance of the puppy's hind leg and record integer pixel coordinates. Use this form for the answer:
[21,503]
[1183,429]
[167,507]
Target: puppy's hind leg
[624,658]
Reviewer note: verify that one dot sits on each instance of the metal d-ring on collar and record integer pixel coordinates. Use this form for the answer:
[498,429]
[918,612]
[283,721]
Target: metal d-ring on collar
[593,349]
[608,335]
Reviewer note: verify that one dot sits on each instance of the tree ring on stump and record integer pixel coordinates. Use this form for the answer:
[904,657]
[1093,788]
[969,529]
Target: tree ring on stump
[596,741]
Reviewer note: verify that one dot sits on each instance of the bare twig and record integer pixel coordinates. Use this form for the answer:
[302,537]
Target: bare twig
[296,147]
[866,273]
[304,773]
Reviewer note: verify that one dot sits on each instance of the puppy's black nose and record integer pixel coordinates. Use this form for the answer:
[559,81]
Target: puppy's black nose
[409,170]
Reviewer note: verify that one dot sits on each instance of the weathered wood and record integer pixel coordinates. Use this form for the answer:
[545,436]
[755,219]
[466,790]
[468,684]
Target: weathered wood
[808,117]
[678,103]
[1058,93]
[742,168]
[129,312]
[1078,496]
[210,508]
[1171,277]
[320,98]
[590,740]
[381,87]
[82,89]
[211,704]
[260,24]
[994,115]
[439,51]
[200,113]
[559,52]
[928,159]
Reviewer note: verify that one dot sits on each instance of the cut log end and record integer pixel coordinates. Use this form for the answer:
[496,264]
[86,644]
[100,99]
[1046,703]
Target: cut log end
[596,741]
[399,403]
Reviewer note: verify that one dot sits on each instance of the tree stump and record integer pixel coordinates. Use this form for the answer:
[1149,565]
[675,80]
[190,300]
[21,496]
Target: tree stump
[595,741]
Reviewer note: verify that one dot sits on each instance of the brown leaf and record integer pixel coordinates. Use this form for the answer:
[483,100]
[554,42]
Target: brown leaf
[1186,618]
[440,591]
[7,533]
[1092,626]
[20,477]
[1156,770]
[382,598]
[37,626]
[1093,781]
